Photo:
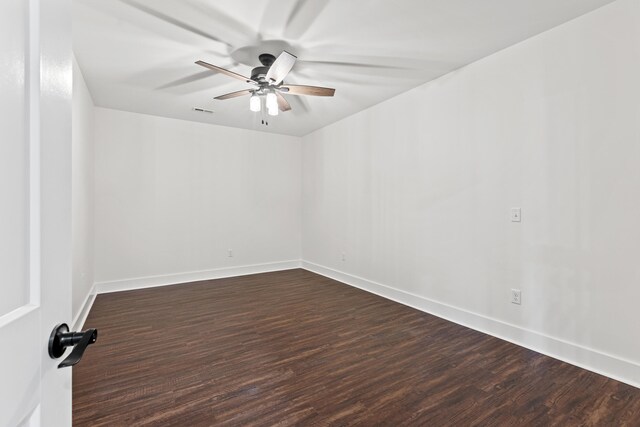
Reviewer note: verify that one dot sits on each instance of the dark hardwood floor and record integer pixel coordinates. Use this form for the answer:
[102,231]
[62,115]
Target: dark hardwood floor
[295,348]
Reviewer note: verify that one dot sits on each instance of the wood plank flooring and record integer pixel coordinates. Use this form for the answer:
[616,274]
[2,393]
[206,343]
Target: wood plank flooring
[296,348]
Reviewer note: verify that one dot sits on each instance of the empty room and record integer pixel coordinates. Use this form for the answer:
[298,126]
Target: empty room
[320,213]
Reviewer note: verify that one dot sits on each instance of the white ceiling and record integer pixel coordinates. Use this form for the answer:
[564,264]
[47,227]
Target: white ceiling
[138,55]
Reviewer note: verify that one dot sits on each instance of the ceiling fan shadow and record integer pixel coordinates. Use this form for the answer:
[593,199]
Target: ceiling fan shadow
[302,16]
[172,79]
[298,104]
[369,70]
[186,80]
[241,33]
[330,75]
[174,21]
[377,66]
[271,19]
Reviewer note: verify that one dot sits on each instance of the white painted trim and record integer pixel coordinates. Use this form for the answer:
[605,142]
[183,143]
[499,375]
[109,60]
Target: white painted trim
[35,190]
[194,276]
[81,316]
[593,360]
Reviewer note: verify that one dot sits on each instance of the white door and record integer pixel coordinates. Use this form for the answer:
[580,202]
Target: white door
[35,208]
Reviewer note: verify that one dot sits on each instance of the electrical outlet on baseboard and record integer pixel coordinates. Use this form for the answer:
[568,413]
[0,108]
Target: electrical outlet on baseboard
[516,296]
[230,253]
[516,215]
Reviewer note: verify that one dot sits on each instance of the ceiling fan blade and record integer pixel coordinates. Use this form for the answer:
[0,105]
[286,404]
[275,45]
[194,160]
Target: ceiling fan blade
[308,90]
[234,94]
[283,105]
[225,71]
[297,102]
[281,67]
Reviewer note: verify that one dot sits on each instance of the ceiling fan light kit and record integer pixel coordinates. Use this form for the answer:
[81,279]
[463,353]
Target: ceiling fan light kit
[268,84]
[255,103]
[272,104]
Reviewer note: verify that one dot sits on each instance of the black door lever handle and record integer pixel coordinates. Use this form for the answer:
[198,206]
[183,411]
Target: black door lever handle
[61,338]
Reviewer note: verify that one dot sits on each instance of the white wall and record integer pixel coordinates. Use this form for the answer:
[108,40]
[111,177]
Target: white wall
[82,191]
[416,192]
[173,196]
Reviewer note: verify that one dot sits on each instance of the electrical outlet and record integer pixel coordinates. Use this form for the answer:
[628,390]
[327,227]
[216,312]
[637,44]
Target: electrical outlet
[230,253]
[516,296]
[516,215]
[344,256]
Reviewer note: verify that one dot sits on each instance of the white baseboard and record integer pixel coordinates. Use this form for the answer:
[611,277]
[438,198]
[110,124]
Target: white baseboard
[194,276]
[81,316]
[593,360]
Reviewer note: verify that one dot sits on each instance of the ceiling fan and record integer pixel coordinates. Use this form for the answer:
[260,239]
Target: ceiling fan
[268,82]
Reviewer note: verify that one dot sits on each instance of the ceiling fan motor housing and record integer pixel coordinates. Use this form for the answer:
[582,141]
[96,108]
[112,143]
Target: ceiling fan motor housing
[260,73]
[267,59]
